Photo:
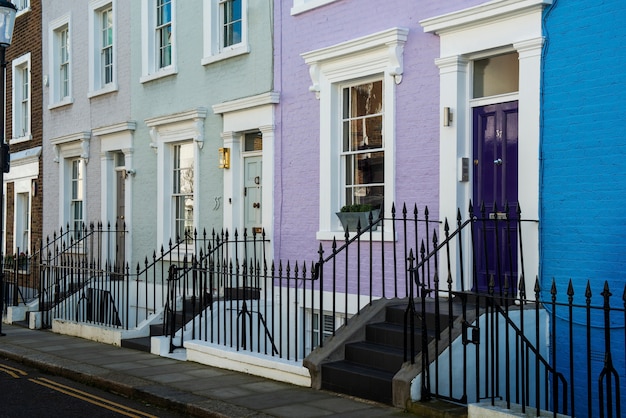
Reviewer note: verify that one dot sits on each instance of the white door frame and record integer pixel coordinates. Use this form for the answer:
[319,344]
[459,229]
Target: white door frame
[477,32]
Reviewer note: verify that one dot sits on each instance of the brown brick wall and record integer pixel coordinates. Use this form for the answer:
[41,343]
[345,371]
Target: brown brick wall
[27,38]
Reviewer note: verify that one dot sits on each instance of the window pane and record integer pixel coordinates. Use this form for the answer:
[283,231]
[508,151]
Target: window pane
[231,11]
[363,145]
[76,202]
[183,188]
[164,33]
[164,12]
[496,75]
[64,59]
[107,47]
[253,141]
[25,102]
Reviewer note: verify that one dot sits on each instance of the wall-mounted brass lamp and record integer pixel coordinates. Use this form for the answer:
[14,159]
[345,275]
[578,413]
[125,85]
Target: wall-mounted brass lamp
[224,158]
[447,116]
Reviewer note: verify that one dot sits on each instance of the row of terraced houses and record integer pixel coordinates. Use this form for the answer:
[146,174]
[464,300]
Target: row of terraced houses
[179,165]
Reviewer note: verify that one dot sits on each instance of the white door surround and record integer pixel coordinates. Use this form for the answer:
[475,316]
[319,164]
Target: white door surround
[477,32]
[255,113]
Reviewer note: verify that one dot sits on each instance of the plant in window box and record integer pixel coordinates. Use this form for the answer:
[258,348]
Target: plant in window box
[22,261]
[351,215]
[9,261]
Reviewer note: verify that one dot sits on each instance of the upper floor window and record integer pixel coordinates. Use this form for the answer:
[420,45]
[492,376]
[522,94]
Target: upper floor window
[64,62]
[60,62]
[102,47]
[21,99]
[225,29]
[164,33]
[22,5]
[231,20]
[106,47]
[158,40]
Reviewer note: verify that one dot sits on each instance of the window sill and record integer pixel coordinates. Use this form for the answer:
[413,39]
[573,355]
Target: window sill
[109,88]
[20,139]
[22,12]
[64,102]
[163,72]
[240,49]
[341,236]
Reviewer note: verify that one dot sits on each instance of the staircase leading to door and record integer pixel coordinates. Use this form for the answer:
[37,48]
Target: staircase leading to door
[369,366]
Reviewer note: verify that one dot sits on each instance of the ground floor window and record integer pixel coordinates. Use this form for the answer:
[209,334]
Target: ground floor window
[363,153]
[182,188]
[76,196]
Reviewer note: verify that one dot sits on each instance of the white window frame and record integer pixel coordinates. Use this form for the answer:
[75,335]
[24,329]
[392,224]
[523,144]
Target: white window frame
[76,224]
[97,84]
[166,131]
[345,155]
[23,6]
[177,171]
[56,97]
[150,68]
[25,179]
[312,329]
[66,149]
[22,103]
[22,200]
[377,55]
[213,25]
[301,6]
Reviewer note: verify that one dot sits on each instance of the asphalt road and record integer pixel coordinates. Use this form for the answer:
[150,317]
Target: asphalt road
[26,392]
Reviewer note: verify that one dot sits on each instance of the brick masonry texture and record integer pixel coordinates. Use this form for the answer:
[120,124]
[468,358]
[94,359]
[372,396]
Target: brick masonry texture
[27,38]
[583,221]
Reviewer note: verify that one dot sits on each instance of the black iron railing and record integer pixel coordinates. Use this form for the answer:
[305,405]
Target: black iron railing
[501,345]
[491,338]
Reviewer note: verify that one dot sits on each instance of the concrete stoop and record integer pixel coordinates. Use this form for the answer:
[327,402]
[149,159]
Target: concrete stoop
[437,409]
[499,410]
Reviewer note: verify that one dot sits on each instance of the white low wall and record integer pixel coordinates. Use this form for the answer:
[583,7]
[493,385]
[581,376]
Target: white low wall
[499,410]
[96,333]
[246,362]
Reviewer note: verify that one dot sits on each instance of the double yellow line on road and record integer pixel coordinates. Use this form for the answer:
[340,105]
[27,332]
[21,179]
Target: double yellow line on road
[12,371]
[78,394]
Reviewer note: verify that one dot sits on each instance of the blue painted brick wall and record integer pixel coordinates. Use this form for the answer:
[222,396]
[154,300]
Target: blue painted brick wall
[583,190]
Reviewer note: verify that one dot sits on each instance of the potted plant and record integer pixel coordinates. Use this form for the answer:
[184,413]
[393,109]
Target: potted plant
[351,215]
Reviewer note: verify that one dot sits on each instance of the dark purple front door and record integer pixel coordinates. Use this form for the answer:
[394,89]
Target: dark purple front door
[495,187]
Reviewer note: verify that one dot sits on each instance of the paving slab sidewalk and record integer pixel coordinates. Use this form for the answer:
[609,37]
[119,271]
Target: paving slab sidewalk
[192,388]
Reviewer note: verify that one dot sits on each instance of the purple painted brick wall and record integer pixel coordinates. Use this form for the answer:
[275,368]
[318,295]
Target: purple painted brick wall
[297,120]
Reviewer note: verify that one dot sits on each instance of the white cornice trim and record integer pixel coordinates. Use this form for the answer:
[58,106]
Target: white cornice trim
[385,48]
[271,97]
[193,127]
[388,37]
[78,136]
[482,13]
[113,129]
[198,113]
[26,157]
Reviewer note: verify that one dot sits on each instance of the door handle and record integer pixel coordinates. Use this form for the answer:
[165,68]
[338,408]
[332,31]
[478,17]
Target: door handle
[498,161]
[256,205]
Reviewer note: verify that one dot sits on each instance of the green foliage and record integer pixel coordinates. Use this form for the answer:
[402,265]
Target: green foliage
[357,208]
